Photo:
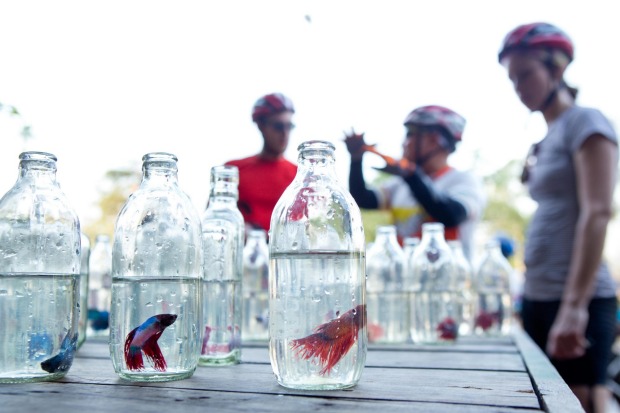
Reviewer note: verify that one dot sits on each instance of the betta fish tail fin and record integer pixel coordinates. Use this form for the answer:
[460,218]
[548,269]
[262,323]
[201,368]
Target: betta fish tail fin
[153,353]
[332,340]
[133,354]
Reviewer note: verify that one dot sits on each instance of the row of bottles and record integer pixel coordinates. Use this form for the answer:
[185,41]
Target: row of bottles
[176,280]
[428,292]
[175,296]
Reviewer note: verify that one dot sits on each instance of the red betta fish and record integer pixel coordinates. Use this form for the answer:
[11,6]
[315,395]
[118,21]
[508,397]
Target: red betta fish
[299,209]
[332,340]
[485,320]
[447,329]
[144,339]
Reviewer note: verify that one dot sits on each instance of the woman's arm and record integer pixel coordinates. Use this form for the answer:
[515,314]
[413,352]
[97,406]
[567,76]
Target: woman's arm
[595,167]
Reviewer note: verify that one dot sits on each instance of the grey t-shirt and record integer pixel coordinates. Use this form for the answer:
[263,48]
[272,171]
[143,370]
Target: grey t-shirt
[552,183]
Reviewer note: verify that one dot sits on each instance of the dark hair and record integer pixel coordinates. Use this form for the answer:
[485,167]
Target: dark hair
[552,66]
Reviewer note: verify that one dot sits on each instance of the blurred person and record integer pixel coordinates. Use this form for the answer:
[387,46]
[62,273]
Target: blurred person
[424,188]
[569,305]
[264,177]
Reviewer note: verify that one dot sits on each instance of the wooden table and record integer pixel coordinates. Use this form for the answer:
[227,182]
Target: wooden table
[474,375]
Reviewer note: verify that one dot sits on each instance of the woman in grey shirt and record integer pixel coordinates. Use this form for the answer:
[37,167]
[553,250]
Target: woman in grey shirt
[569,305]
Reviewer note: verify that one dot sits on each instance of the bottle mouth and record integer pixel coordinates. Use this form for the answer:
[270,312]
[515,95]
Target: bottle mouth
[37,156]
[225,173]
[159,157]
[316,145]
[163,162]
[37,161]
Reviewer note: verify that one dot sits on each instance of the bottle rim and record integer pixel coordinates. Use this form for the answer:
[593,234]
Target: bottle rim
[159,157]
[316,144]
[37,156]
[225,172]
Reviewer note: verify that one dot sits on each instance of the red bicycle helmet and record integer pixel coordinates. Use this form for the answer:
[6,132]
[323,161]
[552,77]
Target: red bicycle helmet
[536,36]
[434,115]
[271,104]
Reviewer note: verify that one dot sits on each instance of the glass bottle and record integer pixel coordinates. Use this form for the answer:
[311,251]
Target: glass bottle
[409,246]
[434,299]
[464,288]
[386,297]
[492,286]
[83,319]
[100,289]
[317,303]
[156,315]
[223,232]
[40,251]
[255,287]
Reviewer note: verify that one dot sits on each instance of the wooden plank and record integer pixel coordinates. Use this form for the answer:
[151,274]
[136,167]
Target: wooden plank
[69,397]
[415,357]
[484,388]
[555,395]
[473,347]
[420,359]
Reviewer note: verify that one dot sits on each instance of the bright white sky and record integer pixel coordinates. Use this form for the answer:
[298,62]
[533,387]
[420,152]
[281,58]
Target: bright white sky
[104,82]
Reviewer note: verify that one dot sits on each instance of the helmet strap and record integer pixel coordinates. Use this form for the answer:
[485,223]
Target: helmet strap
[550,98]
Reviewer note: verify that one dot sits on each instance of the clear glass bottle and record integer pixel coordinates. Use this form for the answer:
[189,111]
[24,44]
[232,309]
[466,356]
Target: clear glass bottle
[492,286]
[256,287]
[317,297]
[40,251]
[156,314]
[223,233]
[434,301]
[464,288]
[386,297]
[100,289]
[83,319]
[409,246]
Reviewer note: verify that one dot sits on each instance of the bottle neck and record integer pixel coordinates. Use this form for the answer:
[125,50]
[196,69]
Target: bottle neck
[160,168]
[257,238]
[316,158]
[225,192]
[222,200]
[224,183]
[434,234]
[386,237]
[37,166]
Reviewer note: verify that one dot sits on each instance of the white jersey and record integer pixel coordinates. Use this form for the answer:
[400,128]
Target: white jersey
[408,215]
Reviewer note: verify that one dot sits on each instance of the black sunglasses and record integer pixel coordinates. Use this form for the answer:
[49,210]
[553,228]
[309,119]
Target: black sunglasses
[281,126]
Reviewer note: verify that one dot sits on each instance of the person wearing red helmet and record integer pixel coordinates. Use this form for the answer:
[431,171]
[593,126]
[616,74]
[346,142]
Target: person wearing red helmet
[425,187]
[264,177]
[569,305]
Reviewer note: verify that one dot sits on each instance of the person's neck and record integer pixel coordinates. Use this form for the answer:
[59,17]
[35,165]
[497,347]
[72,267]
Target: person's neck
[270,156]
[562,102]
[435,165]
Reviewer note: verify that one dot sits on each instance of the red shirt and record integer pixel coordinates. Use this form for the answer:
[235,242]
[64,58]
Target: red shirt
[261,183]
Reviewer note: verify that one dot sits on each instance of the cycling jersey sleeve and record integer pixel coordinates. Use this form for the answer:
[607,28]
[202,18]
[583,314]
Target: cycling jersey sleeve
[364,197]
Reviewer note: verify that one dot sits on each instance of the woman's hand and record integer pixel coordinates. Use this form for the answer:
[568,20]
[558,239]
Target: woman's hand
[567,335]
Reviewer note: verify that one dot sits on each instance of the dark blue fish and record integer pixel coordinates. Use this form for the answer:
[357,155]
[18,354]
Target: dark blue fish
[62,361]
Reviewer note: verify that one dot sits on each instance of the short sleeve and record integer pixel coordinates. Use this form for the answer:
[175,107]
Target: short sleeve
[586,123]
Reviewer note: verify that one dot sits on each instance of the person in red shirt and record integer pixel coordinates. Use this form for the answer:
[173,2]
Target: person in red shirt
[264,177]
